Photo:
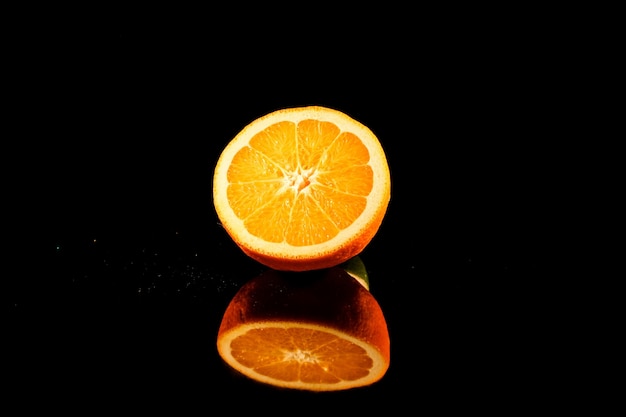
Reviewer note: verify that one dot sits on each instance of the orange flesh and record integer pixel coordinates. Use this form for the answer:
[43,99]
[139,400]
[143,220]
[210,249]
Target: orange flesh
[297,354]
[300,184]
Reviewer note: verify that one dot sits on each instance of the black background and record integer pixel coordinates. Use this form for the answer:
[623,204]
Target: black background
[123,271]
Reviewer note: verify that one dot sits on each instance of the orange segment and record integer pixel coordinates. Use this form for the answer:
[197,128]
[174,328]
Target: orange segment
[302,188]
[343,209]
[347,151]
[277,143]
[354,180]
[251,166]
[315,225]
[314,138]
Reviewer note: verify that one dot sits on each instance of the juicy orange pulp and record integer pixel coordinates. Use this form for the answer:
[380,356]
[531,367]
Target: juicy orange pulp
[301,191]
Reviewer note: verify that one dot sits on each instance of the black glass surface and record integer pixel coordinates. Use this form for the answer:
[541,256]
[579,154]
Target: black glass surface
[124,271]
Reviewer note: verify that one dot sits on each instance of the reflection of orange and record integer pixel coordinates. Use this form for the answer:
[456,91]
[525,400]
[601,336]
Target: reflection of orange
[317,331]
[302,188]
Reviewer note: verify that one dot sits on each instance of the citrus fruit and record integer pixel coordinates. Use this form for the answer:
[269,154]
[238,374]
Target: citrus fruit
[302,188]
[315,331]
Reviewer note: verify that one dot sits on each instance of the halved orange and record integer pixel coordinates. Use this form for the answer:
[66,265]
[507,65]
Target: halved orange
[315,331]
[302,188]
